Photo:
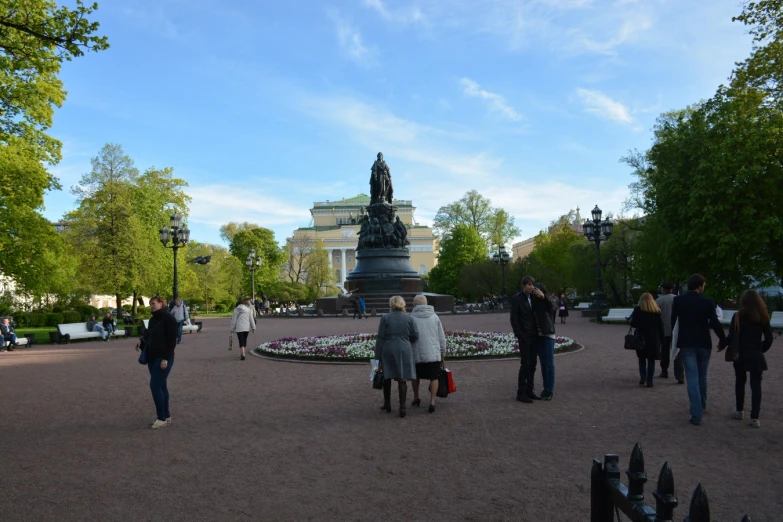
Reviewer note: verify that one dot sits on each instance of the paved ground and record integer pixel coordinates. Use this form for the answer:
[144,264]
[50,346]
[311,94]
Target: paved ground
[270,440]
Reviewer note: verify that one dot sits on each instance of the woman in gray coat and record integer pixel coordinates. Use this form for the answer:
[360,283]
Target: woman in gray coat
[393,350]
[429,350]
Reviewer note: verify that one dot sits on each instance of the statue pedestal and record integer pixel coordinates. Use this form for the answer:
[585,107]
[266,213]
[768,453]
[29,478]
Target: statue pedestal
[383,270]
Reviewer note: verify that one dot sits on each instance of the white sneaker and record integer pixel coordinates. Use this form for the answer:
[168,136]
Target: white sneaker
[755,423]
[168,420]
[158,424]
[739,415]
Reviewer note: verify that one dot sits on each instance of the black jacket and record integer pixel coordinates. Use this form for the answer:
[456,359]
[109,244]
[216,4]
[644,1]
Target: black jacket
[6,330]
[523,322]
[161,336]
[544,313]
[755,339]
[650,326]
[697,316]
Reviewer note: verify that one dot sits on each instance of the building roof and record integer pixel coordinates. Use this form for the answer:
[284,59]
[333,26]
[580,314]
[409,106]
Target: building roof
[359,200]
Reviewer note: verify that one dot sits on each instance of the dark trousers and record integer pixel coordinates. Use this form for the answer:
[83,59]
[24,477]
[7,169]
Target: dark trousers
[179,331]
[679,370]
[646,369]
[159,387]
[755,390]
[527,365]
[242,338]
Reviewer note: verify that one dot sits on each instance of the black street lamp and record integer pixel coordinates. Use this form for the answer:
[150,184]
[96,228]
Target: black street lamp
[179,236]
[253,262]
[596,231]
[501,257]
[203,262]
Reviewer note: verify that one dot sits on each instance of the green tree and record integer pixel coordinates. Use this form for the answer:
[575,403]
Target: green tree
[35,37]
[218,281]
[252,237]
[319,277]
[761,71]
[552,262]
[495,225]
[463,246]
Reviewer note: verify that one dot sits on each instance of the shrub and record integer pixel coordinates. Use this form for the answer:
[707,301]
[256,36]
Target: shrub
[85,311]
[70,316]
[30,319]
[220,308]
[53,319]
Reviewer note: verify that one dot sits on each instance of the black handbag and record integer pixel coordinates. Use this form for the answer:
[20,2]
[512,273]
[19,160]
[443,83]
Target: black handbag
[732,351]
[377,380]
[143,354]
[443,385]
[634,341]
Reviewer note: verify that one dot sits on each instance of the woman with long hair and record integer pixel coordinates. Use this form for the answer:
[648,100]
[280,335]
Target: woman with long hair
[393,350]
[647,320]
[751,324]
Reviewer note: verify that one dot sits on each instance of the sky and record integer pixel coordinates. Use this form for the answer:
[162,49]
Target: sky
[266,107]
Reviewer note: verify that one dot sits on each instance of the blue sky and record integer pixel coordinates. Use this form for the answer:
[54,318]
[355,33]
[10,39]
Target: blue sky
[265,107]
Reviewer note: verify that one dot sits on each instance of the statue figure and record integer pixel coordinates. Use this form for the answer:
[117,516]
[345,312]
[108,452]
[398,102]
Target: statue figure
[380,182]
[364,234]
[376,234]
[401,232]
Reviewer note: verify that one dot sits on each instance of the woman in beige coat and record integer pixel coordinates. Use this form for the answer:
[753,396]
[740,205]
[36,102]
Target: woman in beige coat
[429,350]
[242,322]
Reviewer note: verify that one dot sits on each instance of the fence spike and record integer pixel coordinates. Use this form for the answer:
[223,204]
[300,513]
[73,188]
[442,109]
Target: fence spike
[699,510]
[665,498]
[636,475]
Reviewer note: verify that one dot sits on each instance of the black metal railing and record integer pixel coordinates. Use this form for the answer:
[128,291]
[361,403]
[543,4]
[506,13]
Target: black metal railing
[609,496]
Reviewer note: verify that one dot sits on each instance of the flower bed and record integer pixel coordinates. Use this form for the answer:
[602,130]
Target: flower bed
[361,347]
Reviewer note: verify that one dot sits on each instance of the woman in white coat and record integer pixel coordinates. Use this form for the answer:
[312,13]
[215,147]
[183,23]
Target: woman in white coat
[428,350]
[242,322]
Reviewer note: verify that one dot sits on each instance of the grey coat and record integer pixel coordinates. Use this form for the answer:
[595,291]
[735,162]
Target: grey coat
[431,345]
[393,349]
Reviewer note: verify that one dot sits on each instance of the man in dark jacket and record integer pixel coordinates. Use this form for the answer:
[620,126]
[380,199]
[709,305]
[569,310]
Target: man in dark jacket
[8,335]
[696,316]
[523,322]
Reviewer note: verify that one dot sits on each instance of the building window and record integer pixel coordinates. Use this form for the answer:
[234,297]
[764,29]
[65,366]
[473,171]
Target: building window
[350,259]
[337,275]
[422,269]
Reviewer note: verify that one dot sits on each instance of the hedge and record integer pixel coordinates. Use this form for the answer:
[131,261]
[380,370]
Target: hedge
[70,316]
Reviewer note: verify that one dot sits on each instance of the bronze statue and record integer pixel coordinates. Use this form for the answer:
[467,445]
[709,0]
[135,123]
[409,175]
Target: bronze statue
[401,232]
[380,182]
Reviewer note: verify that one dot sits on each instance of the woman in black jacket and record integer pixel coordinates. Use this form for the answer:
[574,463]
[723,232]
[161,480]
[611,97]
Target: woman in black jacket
[160,339]
[544,309]
[751,323]
[647,320]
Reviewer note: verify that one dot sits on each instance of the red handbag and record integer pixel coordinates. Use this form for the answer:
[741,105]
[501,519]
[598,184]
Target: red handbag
[450,379]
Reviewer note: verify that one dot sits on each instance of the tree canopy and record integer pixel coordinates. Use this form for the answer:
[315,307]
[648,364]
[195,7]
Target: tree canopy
[464,246]
[494,225]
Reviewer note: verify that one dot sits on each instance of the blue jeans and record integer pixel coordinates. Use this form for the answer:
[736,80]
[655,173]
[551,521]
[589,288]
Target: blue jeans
[159,388]
[696,362]
[646,369]
[179,331]
[546,353]
[99,328]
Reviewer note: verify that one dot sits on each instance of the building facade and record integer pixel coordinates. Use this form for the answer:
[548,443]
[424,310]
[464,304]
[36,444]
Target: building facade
[335,223]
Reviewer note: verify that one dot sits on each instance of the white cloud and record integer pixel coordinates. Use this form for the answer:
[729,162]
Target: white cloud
[410,14]
[351,40]
[601,105]
[216,205]
[496,101]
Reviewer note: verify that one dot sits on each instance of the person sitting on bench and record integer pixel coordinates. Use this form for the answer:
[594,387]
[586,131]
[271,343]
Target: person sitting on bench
[8,334]
[95,326]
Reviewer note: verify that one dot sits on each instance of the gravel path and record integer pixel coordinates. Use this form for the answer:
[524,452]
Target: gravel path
[270,440]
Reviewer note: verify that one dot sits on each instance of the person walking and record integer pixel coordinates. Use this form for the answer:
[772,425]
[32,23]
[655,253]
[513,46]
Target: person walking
[648,321]
[396,332]
[665,302]
[362,308]
[696,316]
[355,306]
[428,350]
[523,323]
[751,324]
[563,308]
[179,313]
[544,310]
[160,340]
[242,322]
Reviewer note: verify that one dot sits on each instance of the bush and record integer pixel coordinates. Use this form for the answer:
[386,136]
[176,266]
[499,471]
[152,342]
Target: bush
[220,308]
[53,319]
[69,316]
[85,311]
[30,319]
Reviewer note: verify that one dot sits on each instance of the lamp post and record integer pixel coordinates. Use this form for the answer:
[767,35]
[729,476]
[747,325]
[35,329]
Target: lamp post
[203,262]
[253,262]
[502,258]
[596,231]
[179,236]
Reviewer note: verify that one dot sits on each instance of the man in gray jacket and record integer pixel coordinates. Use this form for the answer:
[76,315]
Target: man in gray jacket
[665,302]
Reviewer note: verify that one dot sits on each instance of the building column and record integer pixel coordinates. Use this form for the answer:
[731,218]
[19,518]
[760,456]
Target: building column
[331,252]
[342,271]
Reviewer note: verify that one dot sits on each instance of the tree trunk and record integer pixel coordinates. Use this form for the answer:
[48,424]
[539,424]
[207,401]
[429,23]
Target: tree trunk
[134,307]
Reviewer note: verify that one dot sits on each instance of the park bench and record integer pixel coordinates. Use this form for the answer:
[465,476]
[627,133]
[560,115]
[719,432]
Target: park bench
[776,320]
[582,306]
[74,331]
[618,315]
[725,319]
[20,341]
[186,328]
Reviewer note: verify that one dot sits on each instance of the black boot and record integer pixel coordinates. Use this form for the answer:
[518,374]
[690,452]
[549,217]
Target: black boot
[402,388]
[386,395]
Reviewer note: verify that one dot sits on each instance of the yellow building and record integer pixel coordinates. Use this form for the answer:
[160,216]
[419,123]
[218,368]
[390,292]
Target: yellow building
[334,223]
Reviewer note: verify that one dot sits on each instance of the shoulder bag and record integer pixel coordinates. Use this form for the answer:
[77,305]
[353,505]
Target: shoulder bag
[732,352]
[633,341]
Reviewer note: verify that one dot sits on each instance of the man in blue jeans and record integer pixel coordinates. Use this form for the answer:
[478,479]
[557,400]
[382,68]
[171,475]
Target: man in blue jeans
[696,316]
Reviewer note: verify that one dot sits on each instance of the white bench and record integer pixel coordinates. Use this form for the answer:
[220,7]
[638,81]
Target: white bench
[618,315]
[776,320]
[20,341]
[582,306]
[725,319]
[186,328]
[76,331]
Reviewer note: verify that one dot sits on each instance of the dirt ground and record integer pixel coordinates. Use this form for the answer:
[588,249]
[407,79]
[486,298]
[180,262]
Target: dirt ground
[272,440]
